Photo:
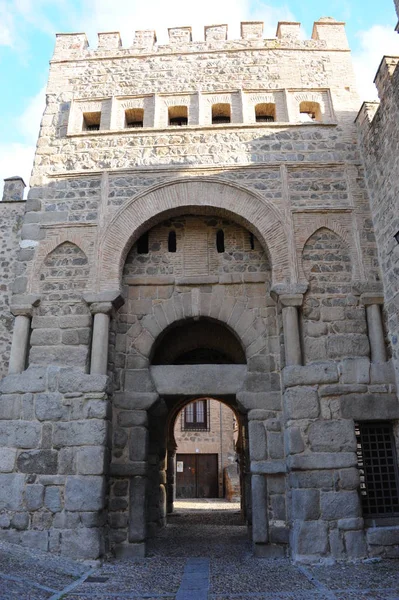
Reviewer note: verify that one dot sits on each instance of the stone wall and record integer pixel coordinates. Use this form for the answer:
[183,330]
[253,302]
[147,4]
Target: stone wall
[379,131]
[11,219]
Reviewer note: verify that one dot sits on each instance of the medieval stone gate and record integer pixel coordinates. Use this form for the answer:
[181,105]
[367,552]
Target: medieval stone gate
[235,258]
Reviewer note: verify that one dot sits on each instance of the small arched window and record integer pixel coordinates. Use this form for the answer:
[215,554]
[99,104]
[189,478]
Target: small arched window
[172,241]
[220,241]
[142,244]
[252,241]
[221,113]
[178,116]
[265,113]
[309,111]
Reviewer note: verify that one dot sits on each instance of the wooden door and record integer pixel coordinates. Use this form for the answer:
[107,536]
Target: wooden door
[197,476]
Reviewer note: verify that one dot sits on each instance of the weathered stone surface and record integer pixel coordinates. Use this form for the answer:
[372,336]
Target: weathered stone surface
[305,505]
[355,543]
[91,460]
[332,436]
[322,460]
[355,370]
[84,543]
[257,440]
[383,536]
[11,491]
[339,505]
[84,493]
[34,496]
[7,459]
[52,498]
[197,379]
[310,538]
[293,441]
[310,374]
[72,380]
[50,407]
[38,461]
[130,418]
[31,380]
[80,433]
[369,407]
[10,406]
[20,434]
[301,402]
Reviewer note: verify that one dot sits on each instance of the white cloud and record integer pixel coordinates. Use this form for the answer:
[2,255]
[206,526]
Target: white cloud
[375,42]
[6,26]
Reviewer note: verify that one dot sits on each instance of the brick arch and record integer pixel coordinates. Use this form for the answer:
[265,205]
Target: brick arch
[196,196]
[249,329]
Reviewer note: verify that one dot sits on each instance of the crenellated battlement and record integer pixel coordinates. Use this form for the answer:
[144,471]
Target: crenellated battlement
[327,34]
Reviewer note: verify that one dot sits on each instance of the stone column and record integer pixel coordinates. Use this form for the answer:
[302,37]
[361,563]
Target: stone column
[22,310]
[292,342]
[171,478]
[375,329]
[260,533]
[99,348]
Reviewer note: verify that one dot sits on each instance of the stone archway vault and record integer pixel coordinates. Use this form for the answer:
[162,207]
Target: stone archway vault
[194,196]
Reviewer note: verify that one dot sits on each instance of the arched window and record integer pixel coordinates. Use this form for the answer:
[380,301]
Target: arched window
[221,113]
[220,241]
[309,111]
[265,113]
[252,241]
[178,116]
[172,241]
[134,118]
[142,244]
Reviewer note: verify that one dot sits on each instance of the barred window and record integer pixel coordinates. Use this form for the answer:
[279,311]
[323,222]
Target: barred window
[378,466]
[195,416]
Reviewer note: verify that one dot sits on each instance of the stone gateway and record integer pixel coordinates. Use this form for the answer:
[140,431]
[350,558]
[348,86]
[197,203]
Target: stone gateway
[198,226]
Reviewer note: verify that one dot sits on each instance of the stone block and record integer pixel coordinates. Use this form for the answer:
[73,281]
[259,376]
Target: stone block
[10,406]
[322,480]
[132,401]
[137,498]
[341,346]
[332,436]
[294,443]
[38,461]
[382,373]
[257,382]
[368,407]
[74,321]
[50,407]
[259,509]
[351,524]
[67,461]
[332,313]
[45,337]
[71,356]
[31,380]
[349,479]
[263,401]
[257,440]
[138,444]
[310,538]
[355,542]
[301,402]
[355,370]
[275,445]
[73,380]
[258,414]
[96,409]
[322,460]
[91,460]
[339,505]
[20,521]
[52,498]
[310,374]
[80,433]
[82,543]
[84,493]
[305,505]
[7,459]
[20,434]
[139,380]
[34,496]
[383,536]
[11,491]
[130,418]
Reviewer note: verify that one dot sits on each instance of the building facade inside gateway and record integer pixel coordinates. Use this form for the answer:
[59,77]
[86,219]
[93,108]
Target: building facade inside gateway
[198,226]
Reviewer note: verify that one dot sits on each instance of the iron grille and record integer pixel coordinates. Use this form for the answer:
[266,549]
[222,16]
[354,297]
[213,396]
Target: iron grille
[220,120]
[94,127]
[265,119]
[205,425]
[378,466]
[134,124]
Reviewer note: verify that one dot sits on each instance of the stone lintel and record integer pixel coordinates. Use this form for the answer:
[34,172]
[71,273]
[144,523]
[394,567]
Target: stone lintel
[198,379]
[260,467]
[288,289]
[113,296]
[369,298]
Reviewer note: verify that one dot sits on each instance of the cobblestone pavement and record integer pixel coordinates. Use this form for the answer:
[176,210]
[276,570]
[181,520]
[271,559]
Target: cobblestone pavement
[202,555]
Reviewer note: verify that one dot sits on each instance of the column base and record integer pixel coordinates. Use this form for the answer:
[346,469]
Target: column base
[131,551]
[268,551]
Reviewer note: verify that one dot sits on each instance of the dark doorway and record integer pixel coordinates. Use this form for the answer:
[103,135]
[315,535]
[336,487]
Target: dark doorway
[197,476]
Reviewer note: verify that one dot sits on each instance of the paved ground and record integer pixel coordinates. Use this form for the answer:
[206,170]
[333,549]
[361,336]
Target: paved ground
[202,555]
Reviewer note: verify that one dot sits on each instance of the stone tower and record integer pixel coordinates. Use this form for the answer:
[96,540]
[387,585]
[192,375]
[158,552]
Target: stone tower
[198,225]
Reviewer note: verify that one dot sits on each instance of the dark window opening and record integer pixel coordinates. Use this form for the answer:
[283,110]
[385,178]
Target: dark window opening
[221,113]
[195,416]
[397,237]
[309,111]
[172,241]
[265,113]
[142,244]
[178,116]
[252,241]
[378,467]
[91,121]
[134,118]
[220,241]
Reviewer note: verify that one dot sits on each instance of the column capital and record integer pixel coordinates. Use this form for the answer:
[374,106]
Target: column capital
[369,298]
[287,290]
[291,300]
[104,308]
[112,297]
[23,305]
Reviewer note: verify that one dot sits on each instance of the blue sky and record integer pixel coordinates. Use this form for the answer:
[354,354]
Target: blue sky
[27,29]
